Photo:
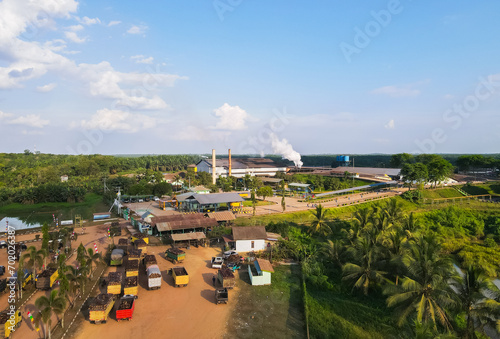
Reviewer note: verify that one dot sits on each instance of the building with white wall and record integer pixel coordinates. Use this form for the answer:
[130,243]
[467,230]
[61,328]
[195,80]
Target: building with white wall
[249,238]
[241,167]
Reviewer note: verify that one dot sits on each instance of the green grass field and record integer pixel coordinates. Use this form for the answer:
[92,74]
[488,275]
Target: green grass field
[441,193]
[488,188]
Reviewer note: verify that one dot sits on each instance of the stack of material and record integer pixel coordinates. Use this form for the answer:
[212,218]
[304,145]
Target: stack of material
[226,272]
[175,255]
[141,245]
[134,254]
[114,283]
[154,272]
[130,285]
[175,250]
[132,268]
[125,304]
[101,302]
[123,244]
[233,259]
[149,260]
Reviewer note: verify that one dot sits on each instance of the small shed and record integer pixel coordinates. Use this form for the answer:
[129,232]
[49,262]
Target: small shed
[249,238]
[222,216]
[260,272]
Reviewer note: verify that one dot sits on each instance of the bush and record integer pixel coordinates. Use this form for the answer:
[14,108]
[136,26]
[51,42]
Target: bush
[413,196]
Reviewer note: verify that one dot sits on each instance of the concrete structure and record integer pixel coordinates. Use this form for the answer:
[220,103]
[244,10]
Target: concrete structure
[260,272]
[241,167]
[181,223]
[249,238]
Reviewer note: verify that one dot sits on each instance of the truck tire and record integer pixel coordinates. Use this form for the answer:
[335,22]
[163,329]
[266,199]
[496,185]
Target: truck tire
[104,321]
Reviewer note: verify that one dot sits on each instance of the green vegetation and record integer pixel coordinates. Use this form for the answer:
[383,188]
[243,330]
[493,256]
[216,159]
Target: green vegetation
[441,193]
[383,269]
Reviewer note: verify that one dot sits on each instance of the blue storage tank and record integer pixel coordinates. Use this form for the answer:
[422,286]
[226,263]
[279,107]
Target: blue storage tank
[346,158]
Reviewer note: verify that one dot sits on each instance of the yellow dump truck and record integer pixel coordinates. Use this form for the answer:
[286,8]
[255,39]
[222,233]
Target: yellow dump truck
[180,275]
[131,268]
[139,236]
[46,279]
[10,319]
[131,286]
[141,245]
[134,254]
[114,283]
[100,307]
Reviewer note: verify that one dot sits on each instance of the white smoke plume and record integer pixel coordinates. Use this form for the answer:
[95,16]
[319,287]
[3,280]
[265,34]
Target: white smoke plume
[283,148]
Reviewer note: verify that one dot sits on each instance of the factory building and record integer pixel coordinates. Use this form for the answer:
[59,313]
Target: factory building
[239,167]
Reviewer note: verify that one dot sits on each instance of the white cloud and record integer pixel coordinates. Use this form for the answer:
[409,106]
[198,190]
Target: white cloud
[4,115]
[116,120]
[113,23]
[75,28]
[232,118]
[141,59]
[46,88]
[74,37]
[449,96]
[137,29]
[29,59]
[88,21]
[395,91]
[32,120]
[390,124]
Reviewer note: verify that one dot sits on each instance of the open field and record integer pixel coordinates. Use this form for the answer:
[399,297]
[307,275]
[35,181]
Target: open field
[440,193]
[274,311]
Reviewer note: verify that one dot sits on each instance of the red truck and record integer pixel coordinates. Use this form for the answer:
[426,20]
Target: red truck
[126,307]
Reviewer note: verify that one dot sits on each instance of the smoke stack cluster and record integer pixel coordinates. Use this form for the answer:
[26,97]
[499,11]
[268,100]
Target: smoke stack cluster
[229,167]
[214,177]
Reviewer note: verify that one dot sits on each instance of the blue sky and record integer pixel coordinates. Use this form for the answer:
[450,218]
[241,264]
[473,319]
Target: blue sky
[118,77]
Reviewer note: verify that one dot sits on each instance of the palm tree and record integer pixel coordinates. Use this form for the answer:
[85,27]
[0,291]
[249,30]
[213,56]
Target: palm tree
[363,271]
[333,250]
[319,225]
[254,201]
[394,242]
[473,290]
[47,306]
[282,188]
[424,290]
[394,211]
[410,225]
[35,257]
[92,258]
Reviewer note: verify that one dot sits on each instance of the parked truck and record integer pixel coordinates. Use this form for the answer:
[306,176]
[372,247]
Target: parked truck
[131,286]
[134,254]
[27,278]
[114,283]
[175,255]
[100,307]
[154,277]
[131,268]
[117,257]
[221,296]
[125,308]
[217,262]
[46,279]
[9,321]
[180,275]
[149,259]
[123,245]
[226,278]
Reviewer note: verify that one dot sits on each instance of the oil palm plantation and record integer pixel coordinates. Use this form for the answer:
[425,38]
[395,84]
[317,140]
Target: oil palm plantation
[319,225]
[424,291]
[474,290]
[363,270]
[333,250]
[53,304]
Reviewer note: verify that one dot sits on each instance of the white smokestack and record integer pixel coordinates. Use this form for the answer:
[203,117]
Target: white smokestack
[283,148]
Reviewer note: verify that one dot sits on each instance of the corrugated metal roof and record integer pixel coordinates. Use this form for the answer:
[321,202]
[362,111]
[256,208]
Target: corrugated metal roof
[249,233]
[182,222]
[299,185]
[265,265]
[222,216]
[368,170]
[218,198]
[188,236]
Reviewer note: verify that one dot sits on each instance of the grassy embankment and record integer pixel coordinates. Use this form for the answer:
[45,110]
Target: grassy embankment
[91,199]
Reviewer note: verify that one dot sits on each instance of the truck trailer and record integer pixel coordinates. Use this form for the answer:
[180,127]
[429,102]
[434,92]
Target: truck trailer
[100,307]
[180,275]
[46,279]
[154,277]
[125,308]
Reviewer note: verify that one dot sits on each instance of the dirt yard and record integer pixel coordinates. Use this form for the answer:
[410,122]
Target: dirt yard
[188,311]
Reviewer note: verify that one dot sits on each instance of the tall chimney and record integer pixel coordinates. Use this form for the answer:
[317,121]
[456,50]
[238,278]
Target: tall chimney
[229,154]
[214,177]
